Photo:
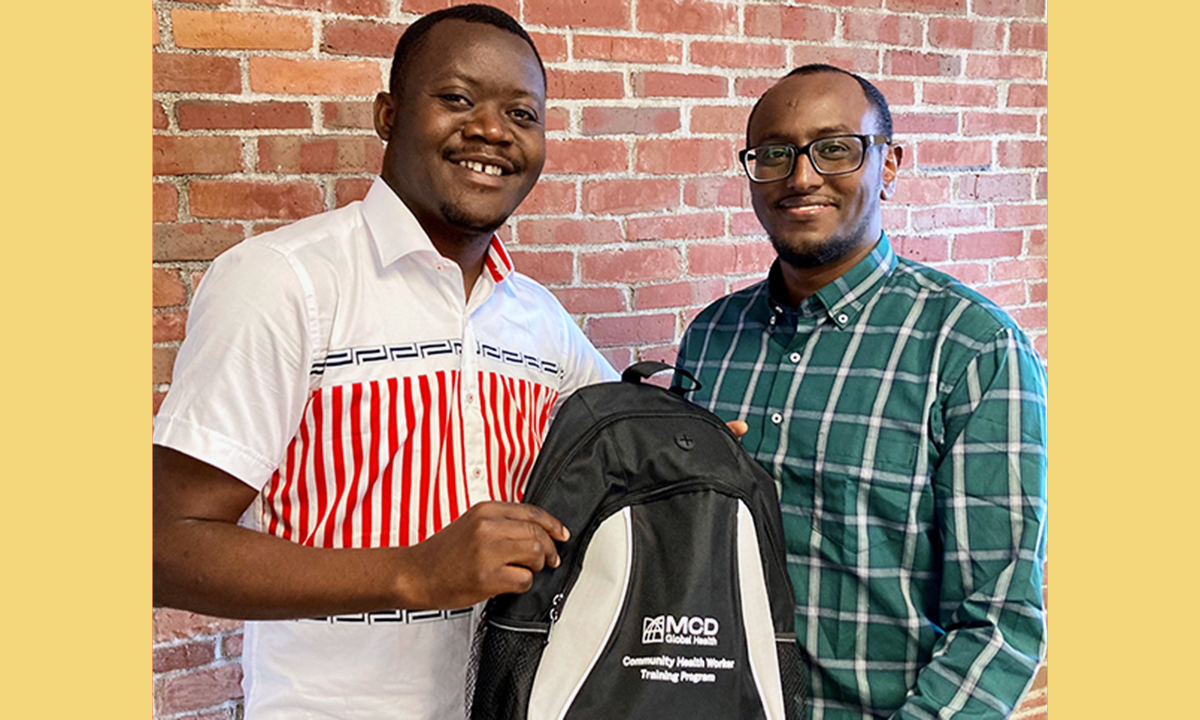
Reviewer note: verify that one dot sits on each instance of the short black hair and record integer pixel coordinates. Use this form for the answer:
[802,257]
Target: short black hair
[874,97]
[413,36]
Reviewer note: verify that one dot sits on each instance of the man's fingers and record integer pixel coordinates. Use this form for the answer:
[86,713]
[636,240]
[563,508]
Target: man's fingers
[553,527]
[737,427]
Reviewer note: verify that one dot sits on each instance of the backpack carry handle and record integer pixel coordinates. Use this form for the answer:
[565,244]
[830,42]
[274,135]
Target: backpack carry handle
[638,372]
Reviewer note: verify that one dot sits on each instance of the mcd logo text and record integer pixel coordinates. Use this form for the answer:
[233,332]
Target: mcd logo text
[680,630]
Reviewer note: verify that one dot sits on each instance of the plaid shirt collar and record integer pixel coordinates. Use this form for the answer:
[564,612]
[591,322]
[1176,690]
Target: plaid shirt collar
[843,299]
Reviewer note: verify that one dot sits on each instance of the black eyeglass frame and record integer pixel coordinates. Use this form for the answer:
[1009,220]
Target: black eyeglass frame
[868,141]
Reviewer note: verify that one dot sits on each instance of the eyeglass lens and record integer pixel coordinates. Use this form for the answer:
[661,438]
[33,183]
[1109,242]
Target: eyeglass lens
[828,155]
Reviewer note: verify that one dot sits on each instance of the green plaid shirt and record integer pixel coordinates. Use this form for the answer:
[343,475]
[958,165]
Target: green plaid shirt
[903,418]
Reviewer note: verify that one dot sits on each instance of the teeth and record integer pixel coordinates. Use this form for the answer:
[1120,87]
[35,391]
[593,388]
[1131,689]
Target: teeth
[480,167]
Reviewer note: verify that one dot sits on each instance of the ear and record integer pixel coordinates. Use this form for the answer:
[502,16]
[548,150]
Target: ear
[891,168]
[385,115]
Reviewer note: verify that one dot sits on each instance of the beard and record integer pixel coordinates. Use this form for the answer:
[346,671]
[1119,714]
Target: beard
[460,218]
[820,253]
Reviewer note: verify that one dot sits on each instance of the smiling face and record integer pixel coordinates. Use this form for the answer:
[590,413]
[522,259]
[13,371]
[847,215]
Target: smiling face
[816,220]
[466,140]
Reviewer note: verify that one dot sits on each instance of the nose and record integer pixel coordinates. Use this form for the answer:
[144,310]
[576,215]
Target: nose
[488,123]
[804,176]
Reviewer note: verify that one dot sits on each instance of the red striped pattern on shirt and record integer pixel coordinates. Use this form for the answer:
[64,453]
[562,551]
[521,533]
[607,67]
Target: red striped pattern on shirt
[385,463]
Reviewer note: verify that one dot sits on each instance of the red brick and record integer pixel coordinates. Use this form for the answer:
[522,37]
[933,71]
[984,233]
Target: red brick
[625,49]
[1041,186]
[1009,8]
[578,13]
[719,191]
[1027,36]
[169,326]
[260,228]
[998,124]
[168,658]
[292,76]
[567,231]
[217,115]
[618,357]
[624,196]
[754,87]
[1030,318]
[168,290]
[897,92]
[924,123]
[734,286]
[894,218]
[676,227]
[882,28]
[631,265]
[1044,124]
[742,224]
[689,155]
[907,62]
[1038,292]
[959,94]
[579,300]
[629,120]
[585,156]
[1026,95]
[978,246]
[1005,295]
[859,60]
[1019,215]
[735,55]
[876,4]
[564,84]
[678,294]
[663,354]
[964,33]
[661,84]
[952,153]
[635,329]
[1037,243]
[231,646]
[922,249]
[166,202]
[686,16]
[347,190]
[162,364]
[196,73]
[549,198]
[791,23]
[551,46]
[175,155]
[194,241]
[990,188]
[250,200]
[348,115]
[941,7]
[198,689]
[922,190]
[320,154]
[557,118]
[155,37]
[720,119]
[160,117]
[968,273]
[1026,67]
[375,8]
[730,259]
[1022,153]
[949,216]
[360,37]
[548,268]
[1026,269]
[223,30]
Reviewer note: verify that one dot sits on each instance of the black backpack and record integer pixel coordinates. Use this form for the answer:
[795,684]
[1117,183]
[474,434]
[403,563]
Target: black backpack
[672,599]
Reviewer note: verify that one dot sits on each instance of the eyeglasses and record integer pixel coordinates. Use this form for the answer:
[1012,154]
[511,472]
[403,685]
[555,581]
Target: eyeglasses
[836,155]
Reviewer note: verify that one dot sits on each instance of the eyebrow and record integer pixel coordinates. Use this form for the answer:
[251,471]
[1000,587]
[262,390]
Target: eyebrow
[514,91]
[821,132]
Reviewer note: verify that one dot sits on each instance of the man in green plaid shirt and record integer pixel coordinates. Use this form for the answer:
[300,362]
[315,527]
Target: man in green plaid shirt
[902,415]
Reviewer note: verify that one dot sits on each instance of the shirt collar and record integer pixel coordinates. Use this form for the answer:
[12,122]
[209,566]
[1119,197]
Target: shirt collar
[396,232]
[844,299]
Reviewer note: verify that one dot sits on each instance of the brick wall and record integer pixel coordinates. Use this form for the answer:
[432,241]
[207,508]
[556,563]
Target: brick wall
[261,116]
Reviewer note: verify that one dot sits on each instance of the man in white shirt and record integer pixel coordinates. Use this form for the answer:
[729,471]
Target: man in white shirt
[360,399]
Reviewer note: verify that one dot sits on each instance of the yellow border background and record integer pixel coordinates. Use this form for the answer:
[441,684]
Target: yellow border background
[75,286]
[75,291]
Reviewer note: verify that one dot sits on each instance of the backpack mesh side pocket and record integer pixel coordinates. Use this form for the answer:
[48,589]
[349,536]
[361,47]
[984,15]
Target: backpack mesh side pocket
[794,678]
[498,688]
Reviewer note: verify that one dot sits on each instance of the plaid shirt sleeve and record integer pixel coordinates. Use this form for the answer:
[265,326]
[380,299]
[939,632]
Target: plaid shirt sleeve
[990,493]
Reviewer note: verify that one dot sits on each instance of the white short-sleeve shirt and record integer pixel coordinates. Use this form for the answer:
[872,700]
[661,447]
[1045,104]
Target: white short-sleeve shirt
[336,365]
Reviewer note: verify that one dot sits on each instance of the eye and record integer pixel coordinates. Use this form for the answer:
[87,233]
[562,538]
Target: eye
[524,116]
[833,149]
[772,154]
[455,99]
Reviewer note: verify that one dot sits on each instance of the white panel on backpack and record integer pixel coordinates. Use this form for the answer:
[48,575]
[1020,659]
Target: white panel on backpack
[586,620]
[756,617]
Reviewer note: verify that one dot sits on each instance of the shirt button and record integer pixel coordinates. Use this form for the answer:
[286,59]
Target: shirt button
[843,317]
[776,418]
[477,473]
[470,398]
[794,357]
